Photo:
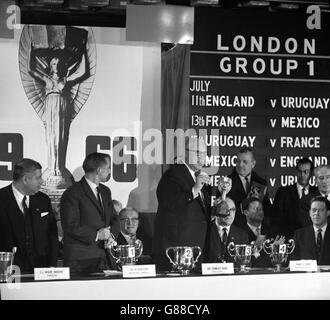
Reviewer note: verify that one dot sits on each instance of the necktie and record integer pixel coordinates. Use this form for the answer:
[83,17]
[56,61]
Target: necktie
[25,207]
[319,242]
[200,192]
[303,190]
[258,232]
[99,199]
[224,236]
[247,185]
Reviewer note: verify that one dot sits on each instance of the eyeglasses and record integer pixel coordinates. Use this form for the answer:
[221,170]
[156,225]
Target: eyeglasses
[228,212]
[127,220]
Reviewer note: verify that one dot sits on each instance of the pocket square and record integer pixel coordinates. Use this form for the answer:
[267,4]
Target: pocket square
[44,213]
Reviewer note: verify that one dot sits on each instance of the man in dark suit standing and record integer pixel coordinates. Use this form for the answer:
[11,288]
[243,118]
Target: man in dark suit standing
[183,213]
[27,221]
[87,214]
[313,242]
[222,232]
[291,204]
[243,177]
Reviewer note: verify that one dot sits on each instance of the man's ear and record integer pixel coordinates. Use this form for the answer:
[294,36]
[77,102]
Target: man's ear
[328,213]
[253,163]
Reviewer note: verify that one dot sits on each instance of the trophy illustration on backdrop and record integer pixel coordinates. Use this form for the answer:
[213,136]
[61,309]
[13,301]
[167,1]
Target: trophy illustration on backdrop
[57,67]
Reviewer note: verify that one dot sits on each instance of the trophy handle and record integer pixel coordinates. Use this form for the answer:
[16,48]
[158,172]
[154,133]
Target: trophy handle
[231,248]
[138,247]
[199,253]
[113,249]
[291,246]
[166,251]
[255,249]
[267,247]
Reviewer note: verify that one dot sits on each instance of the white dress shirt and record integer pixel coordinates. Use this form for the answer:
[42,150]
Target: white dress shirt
[19,199]
[220,229]
[324,228]
[243,179]
[300,190]
[254,229]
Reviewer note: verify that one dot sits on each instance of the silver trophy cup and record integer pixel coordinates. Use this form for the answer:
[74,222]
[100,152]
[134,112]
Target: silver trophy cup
[242,254]
[6,264]
[183,258]
[126,254]
[224,186]
[278,253]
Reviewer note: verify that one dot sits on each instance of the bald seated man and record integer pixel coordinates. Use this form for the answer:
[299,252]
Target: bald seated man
[183,214]
[222,232]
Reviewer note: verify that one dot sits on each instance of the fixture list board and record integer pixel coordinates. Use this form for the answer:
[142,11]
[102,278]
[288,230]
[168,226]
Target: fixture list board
[261,80]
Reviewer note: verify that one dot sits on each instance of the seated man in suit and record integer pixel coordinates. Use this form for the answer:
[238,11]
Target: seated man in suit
[322,179]
[313,242]
[243,177]
[129,223]
[27,221]
[257,230]
[87,214]
[222,232]
[291,204]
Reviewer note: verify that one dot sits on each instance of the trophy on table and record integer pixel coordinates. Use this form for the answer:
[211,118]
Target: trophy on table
[278,252]
[6,264]
[57,68]
[126,254]
[183,258]
[242,254]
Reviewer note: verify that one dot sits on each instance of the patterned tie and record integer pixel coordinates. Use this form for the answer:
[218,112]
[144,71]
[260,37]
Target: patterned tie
[319,244]
[247,185]
[25,207]
[258,232]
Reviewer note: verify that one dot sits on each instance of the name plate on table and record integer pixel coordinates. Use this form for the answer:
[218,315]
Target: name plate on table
[303,265]
[217,268]
[51,273]
[137,271]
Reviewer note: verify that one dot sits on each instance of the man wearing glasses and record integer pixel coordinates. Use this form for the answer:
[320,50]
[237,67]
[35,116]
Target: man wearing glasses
[129,223]
[222,232]
[183,214]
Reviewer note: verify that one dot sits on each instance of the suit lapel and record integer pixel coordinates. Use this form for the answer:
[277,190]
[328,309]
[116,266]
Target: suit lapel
[105,201]
[15,216]
[90,195]
[190,183]
[239,183]
[325,243]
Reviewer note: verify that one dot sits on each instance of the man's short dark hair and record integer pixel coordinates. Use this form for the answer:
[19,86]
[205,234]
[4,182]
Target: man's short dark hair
[246,150]
[23,166]
[247,201]
[320,199]
[305,160]
[94,161]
